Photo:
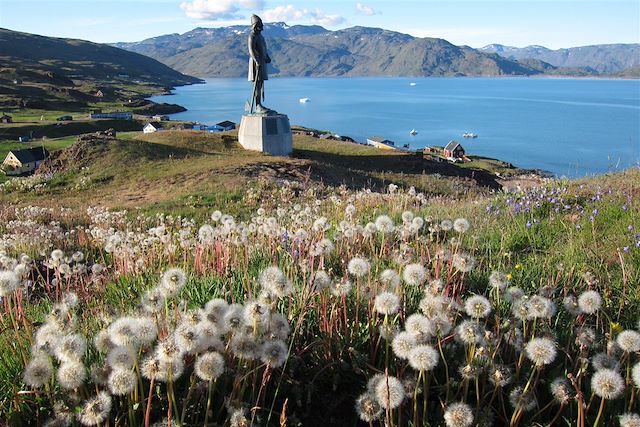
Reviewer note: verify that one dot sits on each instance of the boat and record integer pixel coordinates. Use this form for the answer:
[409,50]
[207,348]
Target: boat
[469,135]
[413,132]
[304,100]
[412,84]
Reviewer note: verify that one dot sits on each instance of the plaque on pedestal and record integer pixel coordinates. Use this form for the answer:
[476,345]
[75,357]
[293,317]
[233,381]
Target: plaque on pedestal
[267,133]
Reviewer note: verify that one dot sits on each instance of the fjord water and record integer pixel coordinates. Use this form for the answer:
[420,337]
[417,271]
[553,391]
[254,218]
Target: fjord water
[569,127]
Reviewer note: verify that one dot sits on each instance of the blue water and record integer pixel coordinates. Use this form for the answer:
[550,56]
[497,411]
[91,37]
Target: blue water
[570,127]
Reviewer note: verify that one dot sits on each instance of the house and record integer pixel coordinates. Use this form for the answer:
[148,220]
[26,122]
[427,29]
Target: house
[64,118]
[117,115]
[24,139]
[6,119]
[222,126]
[19,162]
[152,127]
[453,151]
[200,126]
[160,118]
[99,94]
[329,136]
[379,142]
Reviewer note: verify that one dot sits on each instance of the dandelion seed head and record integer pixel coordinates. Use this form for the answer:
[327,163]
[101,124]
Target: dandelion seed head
[463,262]
[122,332]
[589,302]
[541,351]
[95,410]
[514,294]
[477,307]
[70,347]
[402,344]
[9,282]
[629,420]
[172,282]
[604,361]
[274,353]
[461,225]
[121,357]
[390,392]
[539,307]
[500,376]
[386,303]
[244,346]
[368,408]
[215,309]
[423,358]
[518,399]
[321,280]
[359,267]
[420,326]
[414,274]
[153,301]
[71,374]
[446,225]
[38,371]
[468,332]
[498,280]
[458,414]
[384,224]
[389,279]
[169,369]
[570,303]
[607,383]
[635,374]
[561,391]
[121,381]
[629,341]
[341,288]
[209,366]
[432,305]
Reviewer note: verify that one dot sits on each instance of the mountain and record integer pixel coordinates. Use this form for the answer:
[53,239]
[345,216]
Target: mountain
[604,58]
[46,72]
[314,51]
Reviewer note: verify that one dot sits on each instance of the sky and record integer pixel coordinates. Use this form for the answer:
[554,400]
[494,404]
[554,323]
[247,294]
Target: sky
[476,23]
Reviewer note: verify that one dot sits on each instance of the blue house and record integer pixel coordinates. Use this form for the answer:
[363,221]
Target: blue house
[222,126]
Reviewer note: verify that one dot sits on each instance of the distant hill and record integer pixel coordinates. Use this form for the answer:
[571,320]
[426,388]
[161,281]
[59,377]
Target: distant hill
[314,51]
[48,72]
[601,59]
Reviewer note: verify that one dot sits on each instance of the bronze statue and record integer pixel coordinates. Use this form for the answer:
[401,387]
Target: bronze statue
[259,58]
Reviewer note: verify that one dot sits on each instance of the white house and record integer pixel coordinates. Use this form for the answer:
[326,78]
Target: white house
[23,161]
[152,127]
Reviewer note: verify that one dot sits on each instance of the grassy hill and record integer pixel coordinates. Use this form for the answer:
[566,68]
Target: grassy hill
[48,73]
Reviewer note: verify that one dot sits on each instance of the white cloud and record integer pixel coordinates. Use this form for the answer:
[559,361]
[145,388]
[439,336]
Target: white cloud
[218,9]
[284,13]
[365,10]
[291,13]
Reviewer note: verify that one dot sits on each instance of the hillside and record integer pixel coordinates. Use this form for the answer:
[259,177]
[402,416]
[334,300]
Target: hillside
[65,74]
[604,59]
[315,51]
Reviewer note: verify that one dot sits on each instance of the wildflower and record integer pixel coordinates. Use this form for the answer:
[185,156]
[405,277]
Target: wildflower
[273,279]
[635,374]
[629,420]
[320,224]
[256,313]
[102,341]
[500,376]
[206,234]
[570,303]
[168,349]
[71,374]
[539,307]
[526,402]
[432,305]
[186,338]
[274,353]
[386,303]
[498,280]
[153,301]
[121,357]
[477,306]
[589,302]
[446,224]
[244,346]
[321,280]
[215,309]
[122,332]
[414,274]
[384,224]
[150,367]
[470,371]
[468,332]
[458,414]
[441,325]
[423,358]
[341,288]
[561,391]
[607,383]
[57,255]
[463,262]
[390,279]
[390,392]
[234,317]
[9,282]
[461,225]
[172,282]
[388,332]
[209,366]
[629,341]
[71,347]
[420,326]
[368,408]
[38,371]
[350,210]
[402,344]
[169,369]
[541,351]
[95,410]
[359,267]
[121,381]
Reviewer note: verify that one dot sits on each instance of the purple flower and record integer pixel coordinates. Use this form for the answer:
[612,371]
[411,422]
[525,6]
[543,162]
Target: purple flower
[630,228]
[626,249]
[528,224]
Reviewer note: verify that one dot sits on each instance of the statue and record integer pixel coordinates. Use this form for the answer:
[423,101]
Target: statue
[259,58]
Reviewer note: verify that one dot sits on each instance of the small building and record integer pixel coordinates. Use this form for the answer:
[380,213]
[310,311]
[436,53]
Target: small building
[99,94]
[19,162]
[222,126]
[6,119]
[24,139]
[64,118]
[160,118]
[17,81]
[379,142]
[453,151]
[200,126]
[152,127]
[117,115]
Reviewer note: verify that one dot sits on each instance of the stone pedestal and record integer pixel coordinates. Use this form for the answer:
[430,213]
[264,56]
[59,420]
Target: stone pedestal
[267,133]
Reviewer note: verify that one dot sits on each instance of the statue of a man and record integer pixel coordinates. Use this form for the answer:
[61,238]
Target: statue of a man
[259,58]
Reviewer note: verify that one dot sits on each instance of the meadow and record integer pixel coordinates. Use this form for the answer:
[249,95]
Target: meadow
[298,302]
